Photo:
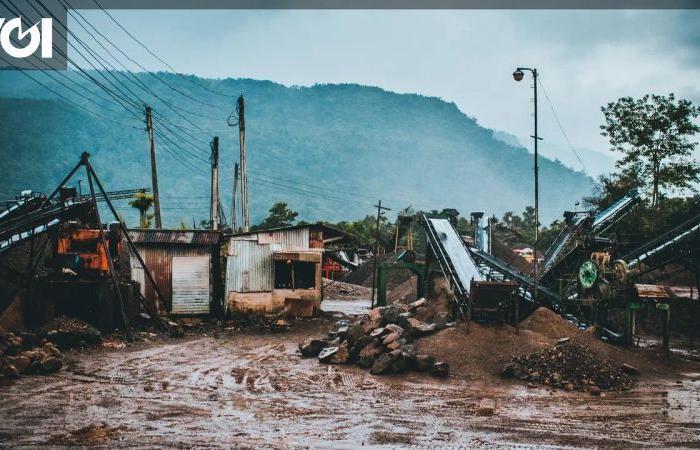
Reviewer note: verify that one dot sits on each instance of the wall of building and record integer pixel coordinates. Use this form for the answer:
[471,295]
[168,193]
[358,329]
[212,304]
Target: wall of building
[250,273]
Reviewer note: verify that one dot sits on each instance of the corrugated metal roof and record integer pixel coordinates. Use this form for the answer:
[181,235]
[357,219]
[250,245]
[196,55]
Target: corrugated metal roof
[176,237]
[329,232]
[653,291]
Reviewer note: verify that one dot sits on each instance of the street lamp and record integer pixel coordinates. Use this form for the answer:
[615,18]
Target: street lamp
[518,76]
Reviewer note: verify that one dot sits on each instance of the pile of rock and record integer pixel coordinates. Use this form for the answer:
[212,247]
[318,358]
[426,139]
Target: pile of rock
[381,341]
[68,332]
[19,356]
[571,366]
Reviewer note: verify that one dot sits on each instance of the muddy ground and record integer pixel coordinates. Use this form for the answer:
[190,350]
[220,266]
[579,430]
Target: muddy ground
[252,390]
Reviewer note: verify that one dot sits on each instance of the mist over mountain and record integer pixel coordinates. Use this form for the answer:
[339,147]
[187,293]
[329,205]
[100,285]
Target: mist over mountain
[594,163]
[329,151]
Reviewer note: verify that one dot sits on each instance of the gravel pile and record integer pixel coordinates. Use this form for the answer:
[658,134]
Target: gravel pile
[571,366]
[382,341]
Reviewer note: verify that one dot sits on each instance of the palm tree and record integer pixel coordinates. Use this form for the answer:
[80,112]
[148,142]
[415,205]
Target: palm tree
[143,202]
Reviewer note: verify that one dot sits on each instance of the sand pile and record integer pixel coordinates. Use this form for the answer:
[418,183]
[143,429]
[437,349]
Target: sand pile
[547,322]
[480,352]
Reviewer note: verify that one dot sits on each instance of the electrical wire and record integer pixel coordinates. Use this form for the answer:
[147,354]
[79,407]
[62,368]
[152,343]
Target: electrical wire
[556,117]
[156,56]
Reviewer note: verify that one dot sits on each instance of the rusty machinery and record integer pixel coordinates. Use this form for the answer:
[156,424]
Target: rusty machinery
[85,280]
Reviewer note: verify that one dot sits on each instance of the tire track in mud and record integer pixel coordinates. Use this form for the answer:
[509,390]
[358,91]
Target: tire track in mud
[256,391]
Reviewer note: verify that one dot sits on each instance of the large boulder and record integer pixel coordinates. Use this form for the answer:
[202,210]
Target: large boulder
[311,347]
[354,333]
[360,344]
[418,328]
[440,370]
[382,365]
[370,353]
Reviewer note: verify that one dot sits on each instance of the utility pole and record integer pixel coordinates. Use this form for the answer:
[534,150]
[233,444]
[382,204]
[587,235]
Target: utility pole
[234,213]
[380,211]
[518,75]
[154,167]
[245,218]
[214,211]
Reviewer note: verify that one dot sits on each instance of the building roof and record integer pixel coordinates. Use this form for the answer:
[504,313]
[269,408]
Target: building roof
[654,291]
[176,237]
[329,233]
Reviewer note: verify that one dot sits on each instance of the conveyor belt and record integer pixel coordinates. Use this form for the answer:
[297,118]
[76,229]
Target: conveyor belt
[568,239]
[452,254]
[668,241]
[19,229]
[511,273]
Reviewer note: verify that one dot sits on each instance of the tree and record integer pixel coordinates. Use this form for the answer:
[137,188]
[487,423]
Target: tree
[654,135]
[143,202]
[280,216]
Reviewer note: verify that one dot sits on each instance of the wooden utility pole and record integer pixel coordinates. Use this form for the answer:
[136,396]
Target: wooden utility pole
[380,211]
[245,218]
[234,213]
[154,167]
[214,211]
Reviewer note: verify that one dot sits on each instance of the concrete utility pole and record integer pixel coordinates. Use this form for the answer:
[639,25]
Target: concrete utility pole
[214,211]
[154,167]
[234,213]
[380,211]
[245,218]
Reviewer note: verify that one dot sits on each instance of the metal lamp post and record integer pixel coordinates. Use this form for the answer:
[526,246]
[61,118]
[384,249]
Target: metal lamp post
[518,76]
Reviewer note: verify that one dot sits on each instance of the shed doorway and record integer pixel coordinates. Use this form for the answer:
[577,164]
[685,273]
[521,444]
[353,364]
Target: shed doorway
[190,285]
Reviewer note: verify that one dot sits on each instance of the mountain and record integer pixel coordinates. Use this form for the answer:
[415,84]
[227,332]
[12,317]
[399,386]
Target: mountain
[329,151]
[596,163]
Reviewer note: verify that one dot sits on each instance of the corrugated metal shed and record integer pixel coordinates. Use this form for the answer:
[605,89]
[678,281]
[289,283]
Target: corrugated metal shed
[191,285]
[176,237]
[249,267]
[159,261]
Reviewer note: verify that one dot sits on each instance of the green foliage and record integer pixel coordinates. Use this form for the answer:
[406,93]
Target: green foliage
[280,216]
[654,134]
[143,202]
[525,227]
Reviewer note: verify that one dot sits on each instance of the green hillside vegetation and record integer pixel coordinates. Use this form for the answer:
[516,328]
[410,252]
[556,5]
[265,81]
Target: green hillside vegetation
[328,151]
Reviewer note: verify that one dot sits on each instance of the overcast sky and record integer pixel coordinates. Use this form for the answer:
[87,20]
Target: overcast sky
[586,58]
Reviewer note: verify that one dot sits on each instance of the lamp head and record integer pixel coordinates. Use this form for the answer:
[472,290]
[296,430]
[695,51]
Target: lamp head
[518,75]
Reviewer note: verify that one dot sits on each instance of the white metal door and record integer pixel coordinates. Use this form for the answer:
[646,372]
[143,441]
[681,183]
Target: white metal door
[191,285]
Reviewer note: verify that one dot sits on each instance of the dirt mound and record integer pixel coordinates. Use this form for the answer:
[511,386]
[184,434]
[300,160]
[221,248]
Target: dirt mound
[547,322]
[363,274]
[572,366]
[404,292]
[481,351]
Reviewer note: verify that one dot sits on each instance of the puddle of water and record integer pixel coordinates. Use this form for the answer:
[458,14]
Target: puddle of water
[349,307]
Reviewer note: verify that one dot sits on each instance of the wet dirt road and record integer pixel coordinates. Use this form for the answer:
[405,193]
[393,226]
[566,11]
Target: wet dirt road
[254,391]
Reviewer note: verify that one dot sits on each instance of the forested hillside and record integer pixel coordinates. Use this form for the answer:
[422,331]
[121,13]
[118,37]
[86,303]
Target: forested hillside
[329,151]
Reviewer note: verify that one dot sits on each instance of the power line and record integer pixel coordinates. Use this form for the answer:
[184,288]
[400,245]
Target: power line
[156,56]
[556,117]
[64,97]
